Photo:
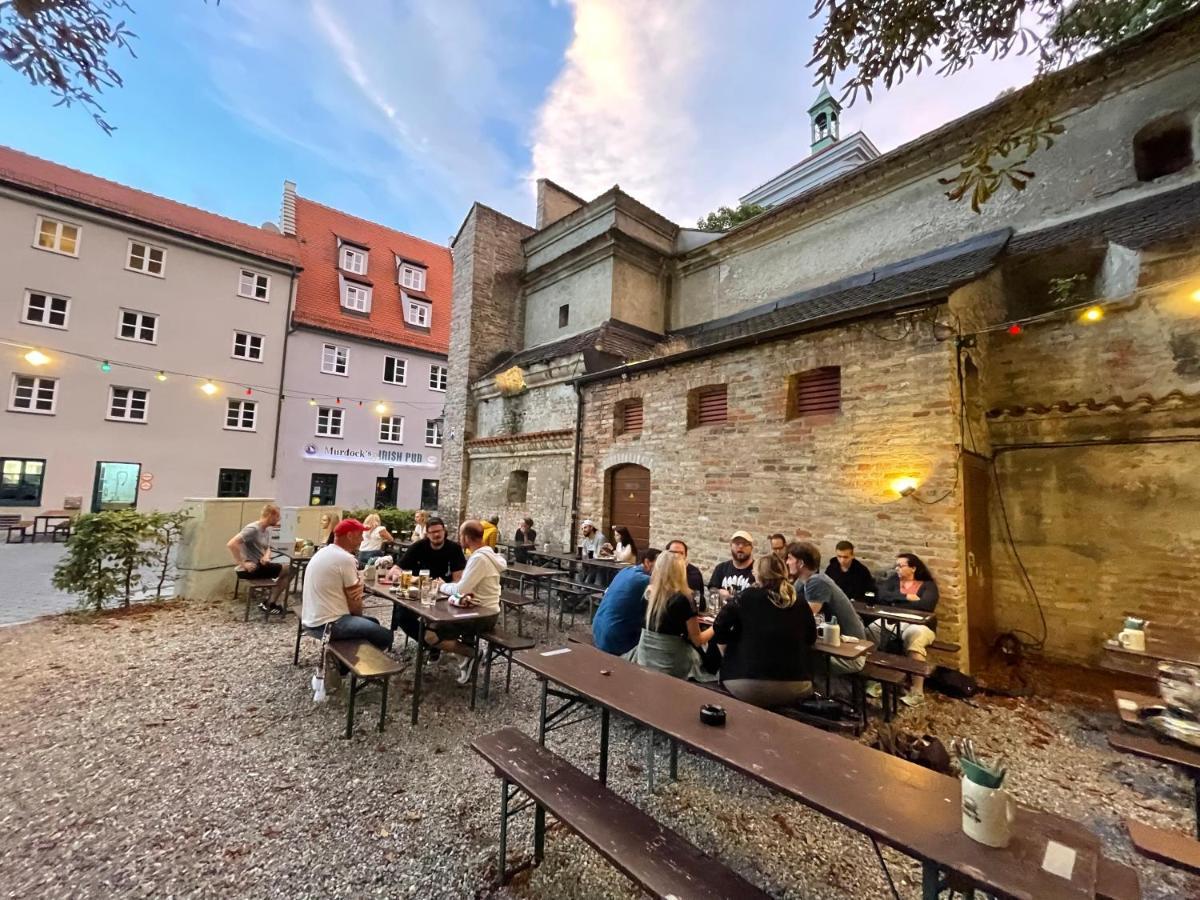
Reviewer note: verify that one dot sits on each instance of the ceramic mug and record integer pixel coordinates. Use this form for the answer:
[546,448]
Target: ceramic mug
[1132,639]
[987,814]
[829,633]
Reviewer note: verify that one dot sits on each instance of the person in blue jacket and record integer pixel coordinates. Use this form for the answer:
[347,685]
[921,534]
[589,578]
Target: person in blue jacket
[618,621]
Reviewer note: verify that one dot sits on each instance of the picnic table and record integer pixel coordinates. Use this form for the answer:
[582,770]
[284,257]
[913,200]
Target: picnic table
[1168,647]
[534,573]
[441,613]
[894,616]
[56,515]
[913,809]
[849,648]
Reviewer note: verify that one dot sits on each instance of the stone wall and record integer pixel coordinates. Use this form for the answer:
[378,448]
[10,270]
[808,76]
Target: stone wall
[827,478]
[547,501]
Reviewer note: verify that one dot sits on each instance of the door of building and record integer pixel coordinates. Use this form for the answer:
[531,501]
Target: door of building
[116,486]
[429,494]
[981,617]
[385,490]
[629,502]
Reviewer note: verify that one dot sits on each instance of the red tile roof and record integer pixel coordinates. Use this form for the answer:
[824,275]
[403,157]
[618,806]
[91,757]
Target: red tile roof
[70,185]
[318,299]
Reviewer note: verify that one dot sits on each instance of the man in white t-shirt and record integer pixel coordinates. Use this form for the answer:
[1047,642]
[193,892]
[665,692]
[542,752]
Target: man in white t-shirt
[333,592]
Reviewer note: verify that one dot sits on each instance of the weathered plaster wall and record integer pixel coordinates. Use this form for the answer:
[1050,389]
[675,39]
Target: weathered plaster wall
[547,502]
[544,407]
[639,297]
[587,291]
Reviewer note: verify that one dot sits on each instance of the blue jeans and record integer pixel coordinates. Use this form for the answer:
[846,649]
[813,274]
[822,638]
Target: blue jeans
[363,628]
[365,556]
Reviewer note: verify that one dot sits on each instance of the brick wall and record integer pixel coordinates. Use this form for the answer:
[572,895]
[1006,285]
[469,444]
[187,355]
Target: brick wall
[547,501]
[827,477]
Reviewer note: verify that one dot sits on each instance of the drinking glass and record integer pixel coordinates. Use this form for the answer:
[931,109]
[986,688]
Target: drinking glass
[427,596]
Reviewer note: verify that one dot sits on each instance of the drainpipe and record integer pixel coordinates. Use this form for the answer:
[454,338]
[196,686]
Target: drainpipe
[282,368]
[576,463]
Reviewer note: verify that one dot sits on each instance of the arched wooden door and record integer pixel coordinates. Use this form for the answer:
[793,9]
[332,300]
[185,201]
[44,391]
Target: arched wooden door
[629,502]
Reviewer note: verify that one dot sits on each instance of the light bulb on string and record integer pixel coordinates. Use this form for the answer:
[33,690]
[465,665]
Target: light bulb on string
[1015,328]
[249,392]
[312,402]
[106,366]
[36,358]
[337,400]
[380,408]
[360,404]
[208,387]
[161,376]
[1093,314]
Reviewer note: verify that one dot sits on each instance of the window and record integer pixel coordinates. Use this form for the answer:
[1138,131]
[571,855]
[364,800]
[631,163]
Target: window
[627,416]
[240,415]
[21,481]
[138,326]
[419,314]
[518,486]
[395,370]
[433,433]
[57,237]
[146,259]
[335,359]
[391,429]
[353,260]
[356,297]
[564,315]
[329,421]
[815,392]
[322,490]
[411,277]
[233,483]
[45,309]
[708,406]
[127,404]
[1163,147]
[33,394]
[437,377]
[254,285]
[248,346]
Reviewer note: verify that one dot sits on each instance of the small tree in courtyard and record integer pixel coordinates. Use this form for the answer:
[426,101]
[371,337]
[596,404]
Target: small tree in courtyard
[105,555]
[167,528]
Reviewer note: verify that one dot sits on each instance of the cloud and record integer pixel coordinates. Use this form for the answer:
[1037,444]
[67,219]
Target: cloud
[689,104]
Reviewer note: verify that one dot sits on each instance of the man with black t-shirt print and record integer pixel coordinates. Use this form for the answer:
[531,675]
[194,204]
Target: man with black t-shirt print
[442,557]
[736,573]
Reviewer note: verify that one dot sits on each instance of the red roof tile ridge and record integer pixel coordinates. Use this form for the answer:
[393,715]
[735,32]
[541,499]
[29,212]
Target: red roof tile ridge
[372,224]
[61,190]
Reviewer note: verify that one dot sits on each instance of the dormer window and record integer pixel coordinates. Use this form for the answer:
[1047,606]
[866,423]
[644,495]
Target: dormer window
[410,275]
[353,259]
[417,313]
[355,297]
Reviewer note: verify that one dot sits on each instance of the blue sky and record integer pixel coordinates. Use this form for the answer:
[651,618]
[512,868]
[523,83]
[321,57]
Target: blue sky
[406,112]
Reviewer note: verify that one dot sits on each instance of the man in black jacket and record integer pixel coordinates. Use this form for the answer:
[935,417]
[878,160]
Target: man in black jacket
[850,575]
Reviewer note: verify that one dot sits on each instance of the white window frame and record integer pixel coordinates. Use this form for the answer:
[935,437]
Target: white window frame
[433,432]
[58,236]
[252,283]
[112,414]
[418,312]
[397,361]
[242,407]
[349,253]
[390,427]
[438,382]
[331,413]
[262,346]
[39,382]
[331,368]
[411,277]
[50,298]
[145,268]
[363,291]
[137,339]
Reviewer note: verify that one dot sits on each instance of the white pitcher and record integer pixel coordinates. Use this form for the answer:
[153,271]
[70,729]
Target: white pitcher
[987,813]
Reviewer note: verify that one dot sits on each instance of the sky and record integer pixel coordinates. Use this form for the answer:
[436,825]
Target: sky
[407,111]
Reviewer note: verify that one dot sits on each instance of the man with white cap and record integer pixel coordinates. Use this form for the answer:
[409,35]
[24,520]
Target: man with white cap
[736,573]
[590,541]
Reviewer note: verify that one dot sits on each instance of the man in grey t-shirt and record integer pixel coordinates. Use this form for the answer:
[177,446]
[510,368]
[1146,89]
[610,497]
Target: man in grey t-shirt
[251,550]
[804,565]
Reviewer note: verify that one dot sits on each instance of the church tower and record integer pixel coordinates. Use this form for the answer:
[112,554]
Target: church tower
[825,114]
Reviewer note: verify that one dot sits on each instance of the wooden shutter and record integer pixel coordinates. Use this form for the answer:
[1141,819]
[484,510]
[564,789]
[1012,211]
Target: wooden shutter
[631,416]
[819,391]
[712,407]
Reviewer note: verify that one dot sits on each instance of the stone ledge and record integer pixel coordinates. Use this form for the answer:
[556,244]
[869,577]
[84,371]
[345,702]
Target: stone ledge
[528,442]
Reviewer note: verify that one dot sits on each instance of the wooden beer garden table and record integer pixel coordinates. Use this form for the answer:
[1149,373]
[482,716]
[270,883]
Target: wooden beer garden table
[913,809]
[1169,647]
[60,515]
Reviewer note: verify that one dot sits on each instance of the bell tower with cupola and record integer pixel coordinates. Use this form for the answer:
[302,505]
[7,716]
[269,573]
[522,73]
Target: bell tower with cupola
[825,114]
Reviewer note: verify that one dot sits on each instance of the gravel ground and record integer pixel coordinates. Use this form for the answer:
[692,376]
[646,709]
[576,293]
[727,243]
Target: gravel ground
[174,751]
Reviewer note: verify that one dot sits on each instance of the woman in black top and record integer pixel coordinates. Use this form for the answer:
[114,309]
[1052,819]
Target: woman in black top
[671,630]
[765,637]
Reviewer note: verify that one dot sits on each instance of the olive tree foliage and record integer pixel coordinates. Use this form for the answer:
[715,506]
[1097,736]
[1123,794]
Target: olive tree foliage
[873,42]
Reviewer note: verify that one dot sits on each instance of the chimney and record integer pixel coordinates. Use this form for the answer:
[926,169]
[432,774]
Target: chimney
[554,202]
[287,215]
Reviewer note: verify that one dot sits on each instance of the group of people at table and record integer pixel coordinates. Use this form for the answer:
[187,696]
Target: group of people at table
[758,640]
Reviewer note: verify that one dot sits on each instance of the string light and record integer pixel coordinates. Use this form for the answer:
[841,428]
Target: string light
[1015,328]
[1093,314]
[36,358]
[312,402]
[106,366]
[337,400]
[380,408]
[1196,295]
[161,376]
[208,387]
[249,392]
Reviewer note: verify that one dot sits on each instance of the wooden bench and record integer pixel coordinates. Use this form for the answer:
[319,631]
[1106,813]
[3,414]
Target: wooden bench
[891,681]
[658,860]
[1170,847]
[514,600]
[502,645]
[15,525]
[368,665]
[945,647]
[260,589]
[899,663]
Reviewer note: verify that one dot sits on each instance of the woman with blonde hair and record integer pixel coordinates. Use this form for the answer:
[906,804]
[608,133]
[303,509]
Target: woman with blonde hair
[374,538]
[420,525]
[766,637]
[329,521]
[671,633]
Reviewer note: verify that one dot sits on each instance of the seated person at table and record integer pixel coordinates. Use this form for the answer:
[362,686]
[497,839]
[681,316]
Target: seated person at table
[251,549]
[625,550]
[695,578]
[442,557]
[911,587]
[850,574]
[329,522]
[618,620]
[778,545]
[373,539]
[671,631]
[481,580]
[525,535]
[420,522]
[737,572]
[590,541]
[766,634]
[825,598]
[333,593]
[491,531]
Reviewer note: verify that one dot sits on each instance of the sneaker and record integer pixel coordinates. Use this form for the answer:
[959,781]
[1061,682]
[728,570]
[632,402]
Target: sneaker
[263,608]
[874,690]
[464,671]
[913,699]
